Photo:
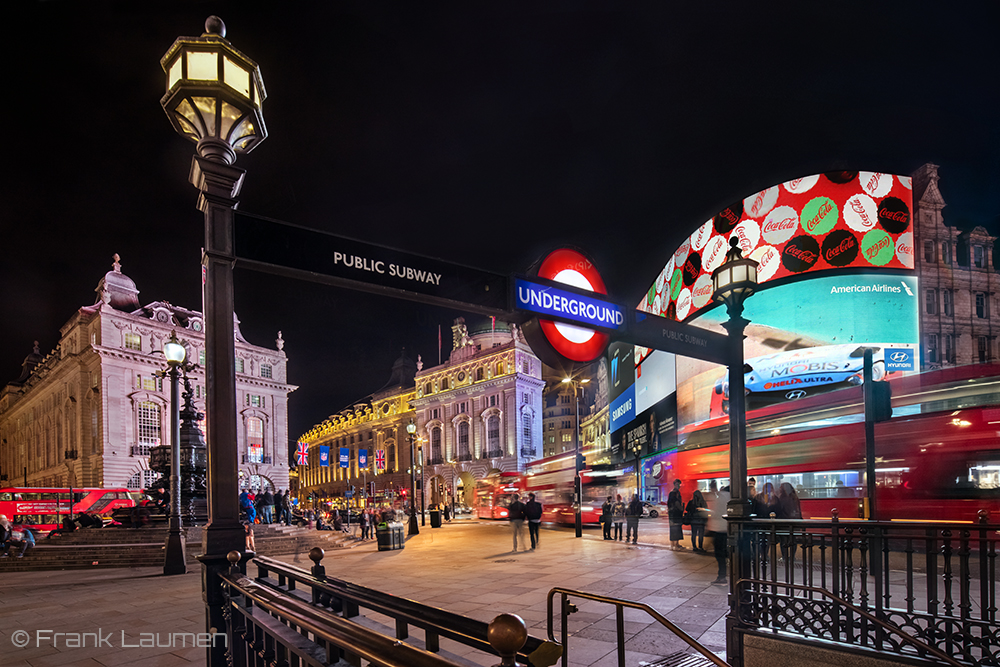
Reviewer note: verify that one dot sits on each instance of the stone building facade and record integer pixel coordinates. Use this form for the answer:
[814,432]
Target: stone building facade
[479,412]
[87,413]
[377,423]
[959,306]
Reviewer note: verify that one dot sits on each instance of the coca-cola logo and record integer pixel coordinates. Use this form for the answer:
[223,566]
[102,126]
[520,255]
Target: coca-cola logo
[841,177]
[780,225]
[760,204]
[727,219]
[682,252]
[878,247]
[904,249]
[692,268]
[715,253]
[860,213]
[840,248]
[819,216]
[800,254]
[893,215]
[875,183]
[701,293]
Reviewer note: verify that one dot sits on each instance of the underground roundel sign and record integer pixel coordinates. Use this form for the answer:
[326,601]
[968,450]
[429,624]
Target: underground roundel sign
[558,341]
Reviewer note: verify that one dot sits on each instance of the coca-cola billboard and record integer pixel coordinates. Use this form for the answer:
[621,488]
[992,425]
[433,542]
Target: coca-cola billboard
[821,223]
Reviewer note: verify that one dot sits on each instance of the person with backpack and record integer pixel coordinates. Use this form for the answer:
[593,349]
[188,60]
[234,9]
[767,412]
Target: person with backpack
[618,517]
[632,514]
[515,514]
[675,513]
[246,505]
[533,513]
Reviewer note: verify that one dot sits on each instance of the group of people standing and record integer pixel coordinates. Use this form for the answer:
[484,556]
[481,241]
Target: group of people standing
[518,513]
[614,514]
[266,507]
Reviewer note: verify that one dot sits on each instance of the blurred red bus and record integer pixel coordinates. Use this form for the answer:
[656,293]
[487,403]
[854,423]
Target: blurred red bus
[494,494]
[44,508]
[552,479]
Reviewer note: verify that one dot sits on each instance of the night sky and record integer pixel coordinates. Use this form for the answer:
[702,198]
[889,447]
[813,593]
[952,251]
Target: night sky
[480,133]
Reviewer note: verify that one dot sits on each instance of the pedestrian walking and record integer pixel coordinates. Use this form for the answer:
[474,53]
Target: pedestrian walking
[718,529]
[696,515]
[618,517]
[267,503]
[675,514]
[606,517]
[533,513]
[246,504]
[632,515]
[515,514]
[366,522]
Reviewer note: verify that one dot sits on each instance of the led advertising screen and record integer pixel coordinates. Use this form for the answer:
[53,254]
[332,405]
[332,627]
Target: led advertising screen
[808,337]
[643,401]
[825,222]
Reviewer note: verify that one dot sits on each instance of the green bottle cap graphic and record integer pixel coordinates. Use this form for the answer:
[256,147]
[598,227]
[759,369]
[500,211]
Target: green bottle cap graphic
[819,216]
[878,247]
[676,283]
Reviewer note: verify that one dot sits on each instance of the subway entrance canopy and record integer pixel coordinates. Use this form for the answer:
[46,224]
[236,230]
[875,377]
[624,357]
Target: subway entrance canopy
[563,306]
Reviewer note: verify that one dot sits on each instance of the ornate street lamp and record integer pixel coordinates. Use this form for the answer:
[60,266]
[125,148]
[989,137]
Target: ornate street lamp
[734,282]
[174,561]
[213,97]
[413,528]
[578,458]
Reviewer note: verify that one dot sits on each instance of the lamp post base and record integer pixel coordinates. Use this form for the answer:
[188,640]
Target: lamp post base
[414,529]
[175,558]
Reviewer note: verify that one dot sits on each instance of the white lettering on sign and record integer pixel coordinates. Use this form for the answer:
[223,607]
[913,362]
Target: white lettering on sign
[622,409]
[561,304]
[394,270]
[684,338]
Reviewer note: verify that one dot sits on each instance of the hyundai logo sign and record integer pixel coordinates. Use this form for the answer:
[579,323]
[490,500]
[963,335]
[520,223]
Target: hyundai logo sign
[899,360]
[795,393]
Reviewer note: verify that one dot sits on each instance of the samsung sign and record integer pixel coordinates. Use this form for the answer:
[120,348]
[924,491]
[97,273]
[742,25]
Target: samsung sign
[568,306]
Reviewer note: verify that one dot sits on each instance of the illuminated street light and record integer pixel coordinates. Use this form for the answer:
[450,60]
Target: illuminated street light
[413,529]
[577,457]
[174,560]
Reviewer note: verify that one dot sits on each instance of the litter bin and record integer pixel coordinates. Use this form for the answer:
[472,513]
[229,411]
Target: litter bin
[435,518]
[398,539]
[384,536]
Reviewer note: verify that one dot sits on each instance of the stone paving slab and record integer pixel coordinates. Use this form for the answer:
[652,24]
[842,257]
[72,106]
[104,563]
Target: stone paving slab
[465,567]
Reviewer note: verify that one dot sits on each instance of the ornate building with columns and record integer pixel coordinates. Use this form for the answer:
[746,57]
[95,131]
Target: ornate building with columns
[959,284]
[87,413]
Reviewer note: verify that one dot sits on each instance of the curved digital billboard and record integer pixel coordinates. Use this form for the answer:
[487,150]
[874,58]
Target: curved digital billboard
[825,222]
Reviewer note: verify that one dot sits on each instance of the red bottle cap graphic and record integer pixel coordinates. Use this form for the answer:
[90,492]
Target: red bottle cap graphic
[727,219]
[841,177]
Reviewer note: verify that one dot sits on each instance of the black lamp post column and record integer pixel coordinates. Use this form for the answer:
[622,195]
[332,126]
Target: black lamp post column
[739,503]
[174,559]
[577,479]
[413,528]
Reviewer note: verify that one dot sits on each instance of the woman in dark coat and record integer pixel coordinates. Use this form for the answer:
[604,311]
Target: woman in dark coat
[675,513]
[697,514]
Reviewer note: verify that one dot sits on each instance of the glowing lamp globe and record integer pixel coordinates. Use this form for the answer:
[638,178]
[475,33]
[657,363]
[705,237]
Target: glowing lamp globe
[174,351]
[214,94]
[736,279]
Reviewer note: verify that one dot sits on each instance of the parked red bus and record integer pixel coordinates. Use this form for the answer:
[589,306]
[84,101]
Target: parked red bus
[43,508]
[937,459]
[494,494]
[551,480]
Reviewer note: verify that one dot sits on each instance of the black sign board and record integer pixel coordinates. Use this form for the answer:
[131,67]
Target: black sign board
[308,254]
[661,333]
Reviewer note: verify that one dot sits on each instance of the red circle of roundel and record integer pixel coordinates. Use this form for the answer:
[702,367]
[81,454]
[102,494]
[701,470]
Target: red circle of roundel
[566,259]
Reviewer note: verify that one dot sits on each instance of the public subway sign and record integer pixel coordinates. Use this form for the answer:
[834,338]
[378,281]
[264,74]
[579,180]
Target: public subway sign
[561,304]
[309,254]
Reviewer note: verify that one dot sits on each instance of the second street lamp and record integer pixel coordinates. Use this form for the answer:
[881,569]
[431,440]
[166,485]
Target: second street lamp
[174,553]
[578,455]
[413,528]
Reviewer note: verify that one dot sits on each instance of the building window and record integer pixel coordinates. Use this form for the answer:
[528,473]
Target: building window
[239,365]
[149,426]
[461,408]
[552,439]
[500,368]
[493,401]
[932,348]
[566,424]
[265,370]
[984,349]
[493,433]
[256,401]
[929,251]
[428,389]
[435,414]
[946,253]
[133,341]
[931,302]
[435,443]
[567,437]
[564,398]
[480,374]
[948,353]
[982,306]
[977,256]
[949,308]
[255,440]
[463,442]
[201,357]
[526,432]
[526,367]
[524,398]
[142,480]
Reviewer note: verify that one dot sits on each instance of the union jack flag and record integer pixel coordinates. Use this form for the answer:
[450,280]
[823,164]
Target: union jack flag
[303,453]
[380,459]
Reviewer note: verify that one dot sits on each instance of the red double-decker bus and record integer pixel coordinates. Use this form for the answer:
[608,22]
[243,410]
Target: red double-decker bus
[552,481]
[937,459]
[44,508]
[494,494]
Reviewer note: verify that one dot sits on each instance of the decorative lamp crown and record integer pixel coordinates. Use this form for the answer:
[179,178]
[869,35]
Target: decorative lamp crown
[214,94]
[737,277]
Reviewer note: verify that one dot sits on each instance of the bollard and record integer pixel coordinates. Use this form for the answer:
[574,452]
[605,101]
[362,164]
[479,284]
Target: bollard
[507,634]
[316,555]
[234,561]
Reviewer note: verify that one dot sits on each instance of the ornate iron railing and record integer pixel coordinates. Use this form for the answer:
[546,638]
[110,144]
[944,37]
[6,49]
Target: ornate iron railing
[937,582]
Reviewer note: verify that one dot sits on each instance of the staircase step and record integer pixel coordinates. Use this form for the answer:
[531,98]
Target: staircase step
[680,659]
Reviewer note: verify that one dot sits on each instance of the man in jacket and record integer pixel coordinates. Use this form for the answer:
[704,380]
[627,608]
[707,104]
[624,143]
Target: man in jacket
[515,514]
[632,515]
[718,529]
[267,504]
[618,516]
[606,517]
[533,513]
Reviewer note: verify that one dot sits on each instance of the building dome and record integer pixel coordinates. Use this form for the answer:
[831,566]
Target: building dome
[28,365]
[118,290]
[485,326]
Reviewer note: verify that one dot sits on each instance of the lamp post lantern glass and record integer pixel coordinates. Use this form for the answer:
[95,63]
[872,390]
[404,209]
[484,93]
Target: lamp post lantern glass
[413,529]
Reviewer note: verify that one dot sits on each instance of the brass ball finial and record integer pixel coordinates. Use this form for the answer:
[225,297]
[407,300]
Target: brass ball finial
[316,554]
[234,557]
[215,26]
[507,634]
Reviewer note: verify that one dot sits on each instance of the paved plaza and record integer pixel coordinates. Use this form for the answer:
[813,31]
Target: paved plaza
[466,567]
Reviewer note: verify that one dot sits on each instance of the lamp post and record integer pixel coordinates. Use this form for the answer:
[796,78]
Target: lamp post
[423,486]
[413,529]
[174,561]
[213,97]
[577,457]
[733,282]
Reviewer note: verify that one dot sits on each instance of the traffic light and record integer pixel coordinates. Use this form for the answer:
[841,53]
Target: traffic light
[580,462]
[881,401]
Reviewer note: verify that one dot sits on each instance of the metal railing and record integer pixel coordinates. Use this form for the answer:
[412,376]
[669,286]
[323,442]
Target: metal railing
[566,608]
[348,599]
[936,582]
